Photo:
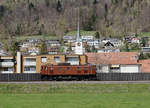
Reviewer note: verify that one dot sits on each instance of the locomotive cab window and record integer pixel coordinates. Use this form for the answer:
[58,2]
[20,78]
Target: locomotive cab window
[78,68]
[85,68]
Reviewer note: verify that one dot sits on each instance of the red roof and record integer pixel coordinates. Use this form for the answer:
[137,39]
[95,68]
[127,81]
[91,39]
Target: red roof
[145,65]
[113,58]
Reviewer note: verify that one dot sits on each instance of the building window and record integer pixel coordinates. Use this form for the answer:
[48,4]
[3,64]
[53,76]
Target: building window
[78,68]
[44,59]
[115,68]
[31,68]
[57,59]
[7,60]
[8,69]
[30,60]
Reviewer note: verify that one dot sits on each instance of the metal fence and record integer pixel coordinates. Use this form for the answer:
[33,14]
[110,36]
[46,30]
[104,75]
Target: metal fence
[20,77]
[100,77]
[123,76]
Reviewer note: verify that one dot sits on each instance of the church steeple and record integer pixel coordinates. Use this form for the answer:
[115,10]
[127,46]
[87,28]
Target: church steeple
[78,43]
[78,33]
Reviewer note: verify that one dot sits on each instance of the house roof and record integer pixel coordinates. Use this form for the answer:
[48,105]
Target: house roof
[145,65]
[113,58]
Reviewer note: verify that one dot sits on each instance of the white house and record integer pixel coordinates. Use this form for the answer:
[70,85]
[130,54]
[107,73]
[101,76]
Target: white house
[116,42]
[116,62]
[69,38]
[87,38]
[135,40]
[95,42]
[108,50]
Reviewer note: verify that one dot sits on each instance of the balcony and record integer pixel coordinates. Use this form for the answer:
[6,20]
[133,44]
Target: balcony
[29,72]
[29,63]
[6,72]
[6,64]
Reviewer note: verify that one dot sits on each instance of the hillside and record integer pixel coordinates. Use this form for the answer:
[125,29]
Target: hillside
[56,18]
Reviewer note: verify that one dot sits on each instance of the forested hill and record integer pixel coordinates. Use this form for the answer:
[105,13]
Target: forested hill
[56,17]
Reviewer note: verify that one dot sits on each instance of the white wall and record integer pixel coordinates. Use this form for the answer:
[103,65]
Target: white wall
[29,72]
[130,68]
[103,69]
[6,72]
[123,69]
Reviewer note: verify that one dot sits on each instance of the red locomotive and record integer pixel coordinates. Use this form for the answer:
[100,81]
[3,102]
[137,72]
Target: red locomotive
[66,71]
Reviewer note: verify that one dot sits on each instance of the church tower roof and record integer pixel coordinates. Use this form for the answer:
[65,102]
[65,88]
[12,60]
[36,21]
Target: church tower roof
[78,33]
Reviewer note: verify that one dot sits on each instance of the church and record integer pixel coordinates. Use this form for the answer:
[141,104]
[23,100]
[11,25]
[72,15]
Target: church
[79,43]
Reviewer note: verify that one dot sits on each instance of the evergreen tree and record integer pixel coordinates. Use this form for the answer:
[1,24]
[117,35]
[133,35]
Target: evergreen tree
[141,56]
[97,35]
[106,11]
[2,11]
[31,5]
[61,49]
[94,49]
[14,47]
[144,42]
[127,47]
[94,2]
[87,48]
[59,6]
[136,35]
[47,3]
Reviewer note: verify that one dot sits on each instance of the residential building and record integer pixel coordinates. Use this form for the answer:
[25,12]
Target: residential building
[145,65]
[33,50]
[107,50]
[7,64]
[94,43]
[128,39]
[52,43]
[53,50]
[29,64]
[116,42]
[32,64]
[55,59]
[135,40]
[116,62]
[87,38]
[146,49]
[109,45]
[69,38]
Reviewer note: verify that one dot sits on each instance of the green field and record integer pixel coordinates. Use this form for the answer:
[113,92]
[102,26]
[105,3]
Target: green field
[74,95]
[143,34]
[82,33]
[19,38]
[71,33]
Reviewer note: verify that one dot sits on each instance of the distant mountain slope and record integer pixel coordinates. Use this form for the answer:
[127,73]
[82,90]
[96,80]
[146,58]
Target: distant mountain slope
[56,17]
